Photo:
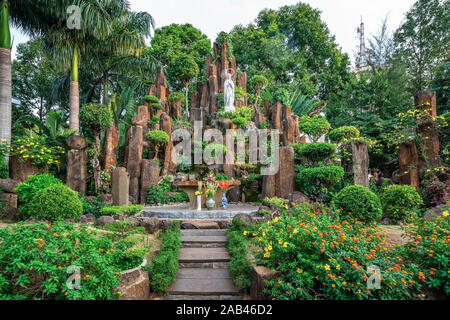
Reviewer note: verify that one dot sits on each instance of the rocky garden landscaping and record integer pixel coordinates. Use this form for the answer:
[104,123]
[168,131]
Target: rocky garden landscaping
[188,170]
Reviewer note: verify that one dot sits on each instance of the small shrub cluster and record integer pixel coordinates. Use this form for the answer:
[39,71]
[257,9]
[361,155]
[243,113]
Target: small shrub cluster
[341,134]
[129,210]
[358,202]
[37,259]
[275,202]
[150,99]
[57,202]
[314,127]
[315,182]
[323,257]
[240,266]
[28,189]
[315,152]
[428,246]
[165,267]
[158,194]
[400,202]
[94,207]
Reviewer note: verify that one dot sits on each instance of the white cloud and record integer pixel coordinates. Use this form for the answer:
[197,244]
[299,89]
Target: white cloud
[214,16]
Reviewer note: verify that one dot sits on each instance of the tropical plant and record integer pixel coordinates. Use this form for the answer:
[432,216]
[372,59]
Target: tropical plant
[301,105]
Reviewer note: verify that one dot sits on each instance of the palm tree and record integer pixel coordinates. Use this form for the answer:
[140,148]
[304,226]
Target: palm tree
[33,17]
[68,45]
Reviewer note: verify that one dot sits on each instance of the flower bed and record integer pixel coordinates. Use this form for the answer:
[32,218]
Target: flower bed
[323,257]
[40,261]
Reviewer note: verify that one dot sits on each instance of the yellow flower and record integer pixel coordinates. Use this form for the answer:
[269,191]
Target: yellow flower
[267,255]
[285,245]
[338,267]
[280,241]
[270,247]
[327,267]
[299,270]
[245,233]
[445,213]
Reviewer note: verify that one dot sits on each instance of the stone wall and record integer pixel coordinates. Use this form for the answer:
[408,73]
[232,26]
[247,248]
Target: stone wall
[134,284]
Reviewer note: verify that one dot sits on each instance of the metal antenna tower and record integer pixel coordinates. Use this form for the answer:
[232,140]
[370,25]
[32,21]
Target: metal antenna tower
[361,59]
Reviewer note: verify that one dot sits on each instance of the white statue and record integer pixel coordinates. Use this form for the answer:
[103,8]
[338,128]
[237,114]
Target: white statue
[228,89]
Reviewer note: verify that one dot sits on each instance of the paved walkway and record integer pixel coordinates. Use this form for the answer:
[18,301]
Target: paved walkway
[203,268]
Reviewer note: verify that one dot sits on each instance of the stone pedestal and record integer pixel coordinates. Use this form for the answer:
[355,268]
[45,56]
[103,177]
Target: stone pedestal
[76,164]
[120,185]
[360,163]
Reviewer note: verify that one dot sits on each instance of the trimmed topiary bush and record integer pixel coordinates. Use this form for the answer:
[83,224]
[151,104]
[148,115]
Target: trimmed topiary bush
[360,203]
[400,202]
[314,127]
[315,151]
[157,137]
[240,122]
[57,202]
[175,97]
[156,106]
[341,134]
[150,99]
[28,189]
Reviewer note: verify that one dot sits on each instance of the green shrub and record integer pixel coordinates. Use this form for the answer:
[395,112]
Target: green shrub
[157,106]
[176,97]
[400,202]
[314,127]
[154,120]
[156,195]
[315,182]
[360,203]
[327,174]
[321,257]
[341,134]
[240,122]
[35,260]
[428,246]
[258,82]
[95,115]
[56,202]
[315,151]
[94,207]
[28,189]
[157,136]
[282,95]
[244,112]
[129,210]
[165,267]
[275,202]
[4,170]
[150,99]
[221,177]
[239,265]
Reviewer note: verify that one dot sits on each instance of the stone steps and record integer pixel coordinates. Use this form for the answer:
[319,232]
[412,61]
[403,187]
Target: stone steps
[197,255]
[203,267]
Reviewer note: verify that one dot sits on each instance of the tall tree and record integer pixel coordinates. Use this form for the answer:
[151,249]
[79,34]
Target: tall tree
[5,73]
[171,41]
[381,46]
[183,69]
[423,40]
[32,79]
[291,47]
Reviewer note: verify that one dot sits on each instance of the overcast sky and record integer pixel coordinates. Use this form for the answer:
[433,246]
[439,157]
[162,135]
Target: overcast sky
[214,16]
